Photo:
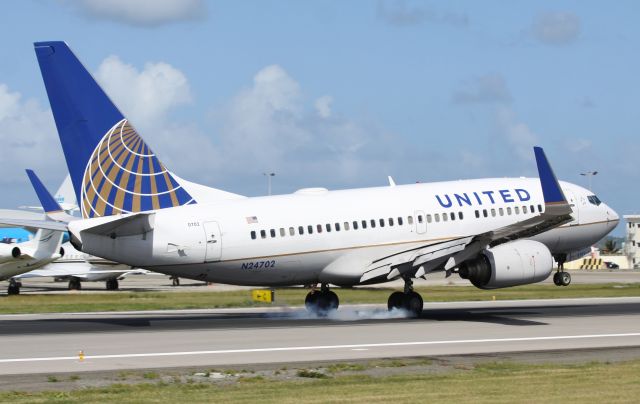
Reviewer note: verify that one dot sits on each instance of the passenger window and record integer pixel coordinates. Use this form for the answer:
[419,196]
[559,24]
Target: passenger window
[300,230]
[444,217]
[272,232]
[452,215]
[524,210]
[517,210]
[493,212]
[532,209]
[429,218]
[399,221]
[390,221]
[346,226]
[328,227]
[337,226]
[373,223]
[364,224]
[477,214]
[282,232]
[484,213]
[410,220]
[540,208]
[310,229]
[509,210]
[460,216]
[292,231]
[501,211]
[437,217]
[263,234]
[355,225]
[253,235]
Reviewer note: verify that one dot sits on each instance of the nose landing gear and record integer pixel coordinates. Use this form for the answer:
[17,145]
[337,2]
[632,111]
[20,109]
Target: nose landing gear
[561,278]
[408,300]
[321,302]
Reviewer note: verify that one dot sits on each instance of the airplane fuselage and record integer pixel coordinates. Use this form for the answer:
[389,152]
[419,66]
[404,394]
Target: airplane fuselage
[315,235]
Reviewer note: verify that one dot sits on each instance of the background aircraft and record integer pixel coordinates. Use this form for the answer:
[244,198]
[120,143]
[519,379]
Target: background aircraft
[74,266]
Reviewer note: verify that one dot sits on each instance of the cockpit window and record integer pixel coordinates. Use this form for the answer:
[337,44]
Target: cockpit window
[594,200]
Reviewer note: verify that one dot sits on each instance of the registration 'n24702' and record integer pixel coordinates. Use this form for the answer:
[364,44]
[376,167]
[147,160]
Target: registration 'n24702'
[259,264]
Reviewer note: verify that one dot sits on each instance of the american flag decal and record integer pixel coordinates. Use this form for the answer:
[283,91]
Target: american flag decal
[252,219]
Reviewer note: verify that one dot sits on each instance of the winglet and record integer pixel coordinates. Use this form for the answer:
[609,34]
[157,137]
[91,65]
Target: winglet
[47,201]
[49,204]
[551,189]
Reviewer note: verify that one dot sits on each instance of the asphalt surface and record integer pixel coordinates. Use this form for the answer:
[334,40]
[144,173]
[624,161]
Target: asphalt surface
[158,282]
[50,343]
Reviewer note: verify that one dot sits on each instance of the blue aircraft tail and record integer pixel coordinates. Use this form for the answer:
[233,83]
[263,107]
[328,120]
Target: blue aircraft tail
[112,169]
[47,201]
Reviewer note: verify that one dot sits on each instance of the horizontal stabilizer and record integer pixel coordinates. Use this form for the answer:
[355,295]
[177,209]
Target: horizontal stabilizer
[127,225]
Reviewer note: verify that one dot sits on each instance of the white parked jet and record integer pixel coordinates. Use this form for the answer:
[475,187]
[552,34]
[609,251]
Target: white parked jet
[494,232]
[73,266]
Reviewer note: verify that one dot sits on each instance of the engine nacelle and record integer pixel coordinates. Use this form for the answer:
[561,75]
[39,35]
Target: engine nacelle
[519,262]
[9,252]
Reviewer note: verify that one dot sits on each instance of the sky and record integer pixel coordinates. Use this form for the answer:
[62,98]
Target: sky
[340,94]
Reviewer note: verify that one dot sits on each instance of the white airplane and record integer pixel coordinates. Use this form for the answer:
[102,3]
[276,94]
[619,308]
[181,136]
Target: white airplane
[18,258]
[76,267]
[73,265]
[495,232]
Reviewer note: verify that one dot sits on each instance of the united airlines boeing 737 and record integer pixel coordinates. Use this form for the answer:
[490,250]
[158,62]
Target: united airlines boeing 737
[494,232]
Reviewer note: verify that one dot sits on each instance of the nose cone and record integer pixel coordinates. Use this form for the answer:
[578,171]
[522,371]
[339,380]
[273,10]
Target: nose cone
[612,217]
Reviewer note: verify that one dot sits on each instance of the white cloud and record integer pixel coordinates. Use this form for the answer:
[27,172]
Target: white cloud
[144,96]
[28,139]
[400,13]
[488,88]
[556,28]
[517,136]
[147,13]
[578,145]
[323,106]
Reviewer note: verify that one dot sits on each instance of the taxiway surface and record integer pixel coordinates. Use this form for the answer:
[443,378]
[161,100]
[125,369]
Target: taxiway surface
[49,343]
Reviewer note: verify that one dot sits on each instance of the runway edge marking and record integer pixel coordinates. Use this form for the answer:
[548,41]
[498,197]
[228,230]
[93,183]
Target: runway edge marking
[321,347]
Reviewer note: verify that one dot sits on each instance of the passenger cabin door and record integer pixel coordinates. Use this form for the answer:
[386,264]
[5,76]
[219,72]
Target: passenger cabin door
[213,241]
[420,222]
[575,206]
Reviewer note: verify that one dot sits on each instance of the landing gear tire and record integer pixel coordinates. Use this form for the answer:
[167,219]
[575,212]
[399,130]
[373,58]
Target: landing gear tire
[565,278]
[321,302]
[112,284]
[395,301]
[556,279]
[14,288]
[75,284]
[413,303]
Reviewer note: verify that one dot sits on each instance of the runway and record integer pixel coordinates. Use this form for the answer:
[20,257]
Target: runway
[46,343]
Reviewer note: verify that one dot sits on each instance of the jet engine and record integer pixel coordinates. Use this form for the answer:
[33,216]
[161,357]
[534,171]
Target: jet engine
[8,252]
[515,263]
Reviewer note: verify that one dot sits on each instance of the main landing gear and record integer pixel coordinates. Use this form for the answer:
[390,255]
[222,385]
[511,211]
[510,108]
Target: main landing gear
[14,287]
[75,284]
[561,278]
[112,284]
[408,300]
[322,301]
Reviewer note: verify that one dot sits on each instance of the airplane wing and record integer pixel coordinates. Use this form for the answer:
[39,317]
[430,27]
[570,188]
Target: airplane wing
[35,224]
[421,260]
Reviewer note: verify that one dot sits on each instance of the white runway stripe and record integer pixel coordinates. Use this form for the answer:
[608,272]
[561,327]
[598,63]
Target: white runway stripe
[325,347]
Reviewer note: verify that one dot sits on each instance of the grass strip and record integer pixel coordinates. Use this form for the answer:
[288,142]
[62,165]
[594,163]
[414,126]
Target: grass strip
[499,382]
[124,301]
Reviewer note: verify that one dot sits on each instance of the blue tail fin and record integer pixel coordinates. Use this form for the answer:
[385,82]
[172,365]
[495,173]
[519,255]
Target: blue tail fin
[47,201]
[112,169]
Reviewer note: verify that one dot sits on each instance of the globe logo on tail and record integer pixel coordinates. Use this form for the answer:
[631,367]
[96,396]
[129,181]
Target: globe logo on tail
[124,176]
